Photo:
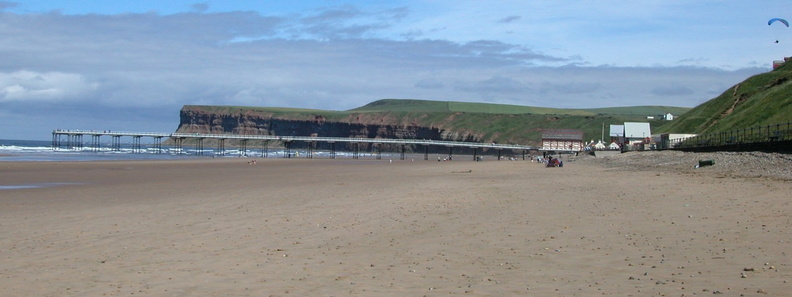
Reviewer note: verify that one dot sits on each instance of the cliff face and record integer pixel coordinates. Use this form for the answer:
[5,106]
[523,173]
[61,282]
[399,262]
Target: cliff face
[246,122]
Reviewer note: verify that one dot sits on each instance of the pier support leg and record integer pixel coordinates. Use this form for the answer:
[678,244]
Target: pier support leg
[332,150]
[68,141]
[158,144]
[179,144]
[426,153]
[116,142]
[71,141]
[402,152]
[475,154]
[95,142]
[243,147]
[200,147]
[78,142]
[287,144]
[499,154]
[221,146]
[136,144]
[60,141]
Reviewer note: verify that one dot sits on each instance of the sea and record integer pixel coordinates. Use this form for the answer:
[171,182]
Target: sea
[43,151]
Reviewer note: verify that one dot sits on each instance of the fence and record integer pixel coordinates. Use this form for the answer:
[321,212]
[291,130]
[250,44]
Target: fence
[771,138]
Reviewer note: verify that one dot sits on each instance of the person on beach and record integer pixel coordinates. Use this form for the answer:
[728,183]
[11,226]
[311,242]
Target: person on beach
[554,162]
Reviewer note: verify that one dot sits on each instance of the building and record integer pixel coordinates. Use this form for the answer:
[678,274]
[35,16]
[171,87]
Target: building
[669,140]
[616,133]
[599,146]
[779,63]
[562,140]
[637,134]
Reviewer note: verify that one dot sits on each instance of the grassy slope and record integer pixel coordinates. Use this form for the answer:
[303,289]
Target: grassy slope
[488,122]
[763,99]
[514,123]
[452,106]
[247,109]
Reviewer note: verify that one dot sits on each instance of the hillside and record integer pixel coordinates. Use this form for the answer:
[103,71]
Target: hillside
[423,119]
[388,105]
[763,99]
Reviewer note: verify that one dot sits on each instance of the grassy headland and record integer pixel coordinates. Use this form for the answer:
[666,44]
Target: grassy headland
[489,122]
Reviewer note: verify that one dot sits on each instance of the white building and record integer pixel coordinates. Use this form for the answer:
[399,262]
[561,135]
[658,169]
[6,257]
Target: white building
[668,140]
[636,132]
[599,145]
[616,133]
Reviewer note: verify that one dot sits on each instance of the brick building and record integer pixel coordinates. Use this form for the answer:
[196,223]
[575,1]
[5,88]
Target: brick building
[562,140]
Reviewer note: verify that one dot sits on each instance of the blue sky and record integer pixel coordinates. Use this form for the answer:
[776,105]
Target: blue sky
[131,65]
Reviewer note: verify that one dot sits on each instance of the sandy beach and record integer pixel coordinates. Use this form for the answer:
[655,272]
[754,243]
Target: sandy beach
[309,227]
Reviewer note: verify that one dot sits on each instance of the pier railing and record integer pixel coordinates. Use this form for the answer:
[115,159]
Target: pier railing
[773,138]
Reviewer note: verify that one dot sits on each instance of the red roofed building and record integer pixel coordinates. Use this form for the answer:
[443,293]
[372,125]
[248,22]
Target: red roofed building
[562,140]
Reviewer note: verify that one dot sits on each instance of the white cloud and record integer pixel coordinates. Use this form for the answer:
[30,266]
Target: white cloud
[48,86]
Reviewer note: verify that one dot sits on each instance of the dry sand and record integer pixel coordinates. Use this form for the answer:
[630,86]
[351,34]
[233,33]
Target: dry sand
[221,227]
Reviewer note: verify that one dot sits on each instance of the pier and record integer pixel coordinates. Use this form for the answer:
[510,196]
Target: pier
[75,139]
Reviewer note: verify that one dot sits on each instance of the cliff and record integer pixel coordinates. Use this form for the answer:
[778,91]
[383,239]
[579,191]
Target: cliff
[253,121]
[411,119]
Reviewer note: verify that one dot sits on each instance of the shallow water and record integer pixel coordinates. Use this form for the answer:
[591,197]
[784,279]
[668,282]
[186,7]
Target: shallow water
[42,151]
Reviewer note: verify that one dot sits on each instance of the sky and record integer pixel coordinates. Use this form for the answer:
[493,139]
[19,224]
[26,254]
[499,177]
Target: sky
[131,65]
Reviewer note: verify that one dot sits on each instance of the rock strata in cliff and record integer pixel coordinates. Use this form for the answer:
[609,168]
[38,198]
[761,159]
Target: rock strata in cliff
[247,122]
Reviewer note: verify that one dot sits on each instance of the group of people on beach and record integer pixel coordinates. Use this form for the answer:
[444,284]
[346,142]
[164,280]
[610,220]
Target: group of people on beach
[444,159]
[554,162]
[549,161]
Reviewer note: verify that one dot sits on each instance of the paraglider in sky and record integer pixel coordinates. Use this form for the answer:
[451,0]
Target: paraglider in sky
[773,20]
[778,22]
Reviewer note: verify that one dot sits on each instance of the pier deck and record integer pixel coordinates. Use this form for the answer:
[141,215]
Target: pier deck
[74,139]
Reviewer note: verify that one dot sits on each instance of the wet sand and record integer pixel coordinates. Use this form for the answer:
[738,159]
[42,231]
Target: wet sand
[221,227]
